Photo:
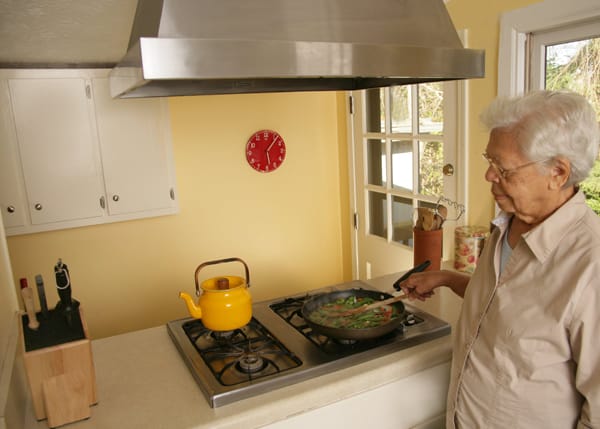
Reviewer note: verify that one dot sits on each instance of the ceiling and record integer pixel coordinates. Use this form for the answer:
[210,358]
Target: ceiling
[58,33]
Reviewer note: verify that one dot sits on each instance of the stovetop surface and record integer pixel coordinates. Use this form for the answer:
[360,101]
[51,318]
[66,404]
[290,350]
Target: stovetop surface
[288,353]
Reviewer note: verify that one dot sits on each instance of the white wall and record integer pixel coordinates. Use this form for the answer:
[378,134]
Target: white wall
[8,328]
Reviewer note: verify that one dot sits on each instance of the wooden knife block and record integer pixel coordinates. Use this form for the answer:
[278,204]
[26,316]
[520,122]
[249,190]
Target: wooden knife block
[60,369]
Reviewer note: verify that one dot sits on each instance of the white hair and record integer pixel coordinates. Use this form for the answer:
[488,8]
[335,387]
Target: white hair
[548,124]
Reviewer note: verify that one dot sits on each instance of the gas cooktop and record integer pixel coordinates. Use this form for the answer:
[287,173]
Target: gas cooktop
[277,348]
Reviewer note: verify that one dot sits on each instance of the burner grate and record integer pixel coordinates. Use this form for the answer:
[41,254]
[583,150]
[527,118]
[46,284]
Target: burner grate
[245,354]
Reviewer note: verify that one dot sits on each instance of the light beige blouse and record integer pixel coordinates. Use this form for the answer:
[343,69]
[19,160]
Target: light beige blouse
[527,346]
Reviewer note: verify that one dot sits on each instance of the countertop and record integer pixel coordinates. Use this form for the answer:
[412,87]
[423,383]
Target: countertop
[143,382]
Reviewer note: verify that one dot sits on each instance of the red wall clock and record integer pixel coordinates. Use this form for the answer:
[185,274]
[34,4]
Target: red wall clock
[265,151]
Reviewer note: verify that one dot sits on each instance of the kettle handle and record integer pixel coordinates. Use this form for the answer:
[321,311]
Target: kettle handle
[220,261]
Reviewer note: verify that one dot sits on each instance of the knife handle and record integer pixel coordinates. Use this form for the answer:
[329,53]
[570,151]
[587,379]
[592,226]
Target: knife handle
[421,267]
[27,295]
[39,282]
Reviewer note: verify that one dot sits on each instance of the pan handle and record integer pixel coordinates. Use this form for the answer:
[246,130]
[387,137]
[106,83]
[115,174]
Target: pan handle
[421,267]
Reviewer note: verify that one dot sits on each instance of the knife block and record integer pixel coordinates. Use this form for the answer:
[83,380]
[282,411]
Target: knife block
[60,368]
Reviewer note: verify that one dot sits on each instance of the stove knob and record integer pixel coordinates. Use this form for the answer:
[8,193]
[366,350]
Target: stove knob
[410,320]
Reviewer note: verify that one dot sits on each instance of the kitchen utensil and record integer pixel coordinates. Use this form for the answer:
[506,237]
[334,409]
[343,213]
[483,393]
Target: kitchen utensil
[421,267]
[318,301]
[425,219]
[39,282]
[375,305]
[67,305]
[221,308]
[439,216]
[27,295]
[442,211]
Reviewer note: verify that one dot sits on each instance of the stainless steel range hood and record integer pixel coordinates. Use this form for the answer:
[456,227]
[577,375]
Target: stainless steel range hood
[193,47]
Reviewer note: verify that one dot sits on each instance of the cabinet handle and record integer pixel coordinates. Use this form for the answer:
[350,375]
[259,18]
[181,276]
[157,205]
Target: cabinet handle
[10,209]
[102,202]
[115,198]
[172,194]
[38,207]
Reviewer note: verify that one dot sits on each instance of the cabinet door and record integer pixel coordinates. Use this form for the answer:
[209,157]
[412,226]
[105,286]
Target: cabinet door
[135,150]
[56,141]
[12,198]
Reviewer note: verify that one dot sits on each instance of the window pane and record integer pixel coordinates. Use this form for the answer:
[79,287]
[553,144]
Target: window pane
[431,159]
[374,110]
[402,218]
[377,214]
[574,66]
[376,162]
[431,103]
[400,109]
[402,164]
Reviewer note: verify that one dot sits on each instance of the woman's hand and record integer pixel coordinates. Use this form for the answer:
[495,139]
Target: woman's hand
[421,286]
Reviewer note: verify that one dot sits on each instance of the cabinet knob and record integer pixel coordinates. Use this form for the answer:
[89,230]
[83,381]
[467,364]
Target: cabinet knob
[10,209]
[38,206]
[115,197]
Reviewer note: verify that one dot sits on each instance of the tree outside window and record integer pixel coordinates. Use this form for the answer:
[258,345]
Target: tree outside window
[576,66]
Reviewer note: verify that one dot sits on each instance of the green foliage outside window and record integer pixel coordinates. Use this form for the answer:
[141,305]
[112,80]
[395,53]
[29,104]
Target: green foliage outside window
[581,73]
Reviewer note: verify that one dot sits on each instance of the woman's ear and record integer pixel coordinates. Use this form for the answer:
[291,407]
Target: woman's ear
[559,172]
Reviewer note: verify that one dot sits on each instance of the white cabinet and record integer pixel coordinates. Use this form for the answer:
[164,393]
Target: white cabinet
[55,136]
[76,157]
[12,196]
[134,138]
[415,402]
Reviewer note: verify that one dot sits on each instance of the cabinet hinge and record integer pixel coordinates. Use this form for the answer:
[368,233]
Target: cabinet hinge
[355,220]
[351,104]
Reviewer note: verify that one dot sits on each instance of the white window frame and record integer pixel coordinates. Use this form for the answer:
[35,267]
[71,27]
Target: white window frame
[515,25]
[540,40]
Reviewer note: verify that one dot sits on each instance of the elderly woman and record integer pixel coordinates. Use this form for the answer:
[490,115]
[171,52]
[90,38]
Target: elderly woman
[526,345]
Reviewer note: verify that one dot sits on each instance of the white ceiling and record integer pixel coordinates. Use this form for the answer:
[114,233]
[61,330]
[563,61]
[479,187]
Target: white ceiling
[64,32]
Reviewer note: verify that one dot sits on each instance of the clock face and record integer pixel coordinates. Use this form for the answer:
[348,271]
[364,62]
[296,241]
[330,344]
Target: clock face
[265,151]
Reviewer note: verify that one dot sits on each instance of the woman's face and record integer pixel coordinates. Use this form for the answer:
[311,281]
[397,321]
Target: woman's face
[524,190]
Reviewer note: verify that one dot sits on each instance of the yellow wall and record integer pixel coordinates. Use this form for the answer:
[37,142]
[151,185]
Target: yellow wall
[287,225]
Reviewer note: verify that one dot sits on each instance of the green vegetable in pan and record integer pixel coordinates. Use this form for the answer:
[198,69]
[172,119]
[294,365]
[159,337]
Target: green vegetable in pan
[332,314]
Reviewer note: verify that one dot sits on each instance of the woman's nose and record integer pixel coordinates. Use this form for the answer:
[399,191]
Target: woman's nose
[491,175]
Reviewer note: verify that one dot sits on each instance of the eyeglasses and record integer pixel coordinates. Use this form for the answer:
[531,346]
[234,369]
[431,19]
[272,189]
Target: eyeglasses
[505,172]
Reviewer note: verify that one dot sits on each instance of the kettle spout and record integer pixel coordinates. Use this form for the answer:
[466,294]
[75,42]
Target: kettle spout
[193,309]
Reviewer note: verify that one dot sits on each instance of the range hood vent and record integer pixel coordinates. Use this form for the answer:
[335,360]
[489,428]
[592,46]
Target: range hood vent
[194,47]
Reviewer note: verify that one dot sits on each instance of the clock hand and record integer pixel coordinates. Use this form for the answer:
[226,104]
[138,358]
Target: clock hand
[271,145]
[268,159]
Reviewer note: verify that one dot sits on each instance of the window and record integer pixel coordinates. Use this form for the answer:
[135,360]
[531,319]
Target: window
[564,55]
[404,147]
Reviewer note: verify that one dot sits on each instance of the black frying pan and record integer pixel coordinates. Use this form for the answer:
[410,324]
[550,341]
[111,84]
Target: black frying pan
[350,333]
[358,334]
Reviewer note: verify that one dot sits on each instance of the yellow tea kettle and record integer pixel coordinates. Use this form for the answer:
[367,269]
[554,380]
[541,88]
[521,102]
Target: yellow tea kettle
[224,304]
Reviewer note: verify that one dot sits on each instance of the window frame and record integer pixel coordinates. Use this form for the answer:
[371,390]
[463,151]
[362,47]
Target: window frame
[516,25]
